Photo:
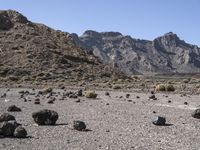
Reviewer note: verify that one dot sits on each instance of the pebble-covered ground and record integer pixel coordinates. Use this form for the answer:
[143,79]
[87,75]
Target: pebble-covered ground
[114,122]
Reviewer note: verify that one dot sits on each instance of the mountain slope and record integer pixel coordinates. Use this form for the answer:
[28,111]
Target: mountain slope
[35,52]
[165,54]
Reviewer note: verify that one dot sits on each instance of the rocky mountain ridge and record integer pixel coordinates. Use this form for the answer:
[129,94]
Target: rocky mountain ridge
[164,55]
[36,53]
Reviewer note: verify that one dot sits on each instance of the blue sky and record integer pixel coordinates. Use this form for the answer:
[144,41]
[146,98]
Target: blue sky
[144,19]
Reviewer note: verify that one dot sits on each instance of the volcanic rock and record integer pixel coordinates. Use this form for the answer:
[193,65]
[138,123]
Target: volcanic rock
[20,132]
[45,117]
[13,108]
[158,120]
[6,117]
[79,125]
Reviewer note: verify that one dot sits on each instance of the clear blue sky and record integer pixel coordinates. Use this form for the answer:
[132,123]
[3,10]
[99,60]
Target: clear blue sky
[144,19]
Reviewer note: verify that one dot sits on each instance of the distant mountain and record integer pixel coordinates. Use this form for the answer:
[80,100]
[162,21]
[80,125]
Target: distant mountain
[34,52]
[163,55]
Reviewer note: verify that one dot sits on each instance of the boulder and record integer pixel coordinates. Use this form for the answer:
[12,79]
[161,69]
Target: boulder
[159,120]
[6,117]
[196,114]
[13,108]
[7,128]
[45,117]
[20,132]
[79,125]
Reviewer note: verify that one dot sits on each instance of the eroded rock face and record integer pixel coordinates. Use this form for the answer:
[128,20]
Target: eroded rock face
[45,117]
[9,18]
[165,54]
[45,53]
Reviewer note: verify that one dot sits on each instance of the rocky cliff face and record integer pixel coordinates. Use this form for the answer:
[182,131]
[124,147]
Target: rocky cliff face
[35,52]
[165,54]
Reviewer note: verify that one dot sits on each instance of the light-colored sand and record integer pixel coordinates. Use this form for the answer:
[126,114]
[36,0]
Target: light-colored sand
[115,123]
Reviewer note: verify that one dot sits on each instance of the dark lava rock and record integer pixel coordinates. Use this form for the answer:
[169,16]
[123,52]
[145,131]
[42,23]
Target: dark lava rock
[158,121]
[107,93]
[152,96]
[37,101]
[7,128]
[51,101]
[169,101]
[78,101]
[6,117]
[20,132]
[80,92]
[45,117]
[13,108]
[196,113]
[137,97]
[185,103]
[127,95]
[152,92]
[73,96]
[79,125]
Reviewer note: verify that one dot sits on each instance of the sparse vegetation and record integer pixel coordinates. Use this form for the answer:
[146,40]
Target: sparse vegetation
[160,87]
[90,94]
[169,88]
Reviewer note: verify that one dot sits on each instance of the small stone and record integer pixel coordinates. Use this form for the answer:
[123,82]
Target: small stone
[73,96]
[137,97]
[79,125]
[107,93]
[129,100]
[158,121]
[80,92]
[185,103]
[37,102]
[20,132]
[78,101]
[152,92]
[50,101]
[169,101]
[152,97]
[13,108]
[196,114]
[127,95]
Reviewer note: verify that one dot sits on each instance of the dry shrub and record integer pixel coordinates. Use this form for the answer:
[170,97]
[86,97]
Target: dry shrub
[90,94]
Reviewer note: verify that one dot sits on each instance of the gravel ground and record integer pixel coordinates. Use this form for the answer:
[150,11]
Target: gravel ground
[113,123]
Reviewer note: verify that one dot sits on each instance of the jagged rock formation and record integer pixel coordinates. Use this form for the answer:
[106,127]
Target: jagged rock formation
[35,52]
[163,55]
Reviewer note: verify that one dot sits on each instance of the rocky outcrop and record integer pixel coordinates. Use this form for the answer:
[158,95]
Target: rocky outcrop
[31,52]
[163,55]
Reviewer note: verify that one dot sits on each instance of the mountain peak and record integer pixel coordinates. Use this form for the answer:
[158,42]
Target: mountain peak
[9,17]
[90,33]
